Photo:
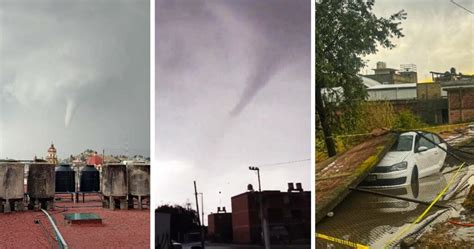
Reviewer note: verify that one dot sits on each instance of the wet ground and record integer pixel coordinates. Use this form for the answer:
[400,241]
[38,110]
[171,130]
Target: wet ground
[119,228]
[234,246]
[375,220]
[370,219]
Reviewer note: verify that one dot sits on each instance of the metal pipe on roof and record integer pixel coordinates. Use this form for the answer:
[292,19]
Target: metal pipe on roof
[56,230]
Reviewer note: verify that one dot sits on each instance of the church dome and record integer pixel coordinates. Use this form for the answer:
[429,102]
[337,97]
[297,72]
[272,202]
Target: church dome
[52,149]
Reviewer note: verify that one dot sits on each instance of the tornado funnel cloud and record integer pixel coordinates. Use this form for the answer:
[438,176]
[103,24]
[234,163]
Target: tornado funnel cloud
[71,106]
[258,78]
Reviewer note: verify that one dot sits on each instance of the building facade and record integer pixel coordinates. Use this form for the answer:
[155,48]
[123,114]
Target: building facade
[386,75]
[460,99]
[288,215]
[220,226]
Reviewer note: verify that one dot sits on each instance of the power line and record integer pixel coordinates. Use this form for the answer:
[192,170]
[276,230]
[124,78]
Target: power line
[462,7]
[282,163]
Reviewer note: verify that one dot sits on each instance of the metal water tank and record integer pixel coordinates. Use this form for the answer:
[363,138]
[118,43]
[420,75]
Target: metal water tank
[65,179]
[114,180]
[41,181]
[11,180]
[90,179]
[139,179]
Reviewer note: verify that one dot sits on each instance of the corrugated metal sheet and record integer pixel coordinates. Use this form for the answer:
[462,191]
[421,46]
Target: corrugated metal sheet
[392,92]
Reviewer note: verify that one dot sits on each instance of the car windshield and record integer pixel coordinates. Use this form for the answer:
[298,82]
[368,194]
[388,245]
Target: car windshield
[403,143]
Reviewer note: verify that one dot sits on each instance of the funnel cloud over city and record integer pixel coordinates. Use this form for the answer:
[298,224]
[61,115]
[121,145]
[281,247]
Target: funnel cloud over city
[232,91]
[75,74]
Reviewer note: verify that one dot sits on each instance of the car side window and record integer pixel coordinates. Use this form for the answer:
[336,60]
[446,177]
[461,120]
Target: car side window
[424,142]
[431,140]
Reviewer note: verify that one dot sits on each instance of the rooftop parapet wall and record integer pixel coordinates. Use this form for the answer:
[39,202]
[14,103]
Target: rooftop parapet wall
[336,175]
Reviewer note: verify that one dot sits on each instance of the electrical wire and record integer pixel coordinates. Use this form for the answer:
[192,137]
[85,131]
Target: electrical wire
[283,163]
[462,7]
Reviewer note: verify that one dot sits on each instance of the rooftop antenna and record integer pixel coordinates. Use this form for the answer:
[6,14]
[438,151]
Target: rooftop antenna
[220,198]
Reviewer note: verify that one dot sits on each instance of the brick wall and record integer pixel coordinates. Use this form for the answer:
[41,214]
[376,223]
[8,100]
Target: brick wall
[461,105]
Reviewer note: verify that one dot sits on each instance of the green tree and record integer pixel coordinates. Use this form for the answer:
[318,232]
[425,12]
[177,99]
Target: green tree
[182,221]
[346,31]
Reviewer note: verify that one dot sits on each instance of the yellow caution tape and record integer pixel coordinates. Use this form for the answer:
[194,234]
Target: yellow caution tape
[441,193]
[341,241]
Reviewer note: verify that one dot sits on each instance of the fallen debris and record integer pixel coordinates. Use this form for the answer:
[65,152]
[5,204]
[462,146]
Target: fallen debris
[335,175]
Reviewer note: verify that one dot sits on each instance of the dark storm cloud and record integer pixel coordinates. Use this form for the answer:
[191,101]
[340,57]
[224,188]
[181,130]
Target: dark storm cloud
[232,89]
[76,73]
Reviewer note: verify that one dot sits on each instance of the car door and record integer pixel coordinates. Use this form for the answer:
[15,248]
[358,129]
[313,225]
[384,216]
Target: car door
[425,160]
[434,166]
[440,153]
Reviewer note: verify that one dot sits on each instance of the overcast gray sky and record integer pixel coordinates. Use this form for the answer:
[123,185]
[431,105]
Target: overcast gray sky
[232,89]
[76,73]
[438,35]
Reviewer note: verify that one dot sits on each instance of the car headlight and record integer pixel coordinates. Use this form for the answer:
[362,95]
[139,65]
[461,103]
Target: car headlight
[398,166]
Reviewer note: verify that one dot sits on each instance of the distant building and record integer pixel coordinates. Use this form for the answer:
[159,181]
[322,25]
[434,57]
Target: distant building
[424,99]
[428,100]
[52,156]
[95,160]
[385,75]
[288,215]
[429,91]
[390,92]
[460,99]
[220,226]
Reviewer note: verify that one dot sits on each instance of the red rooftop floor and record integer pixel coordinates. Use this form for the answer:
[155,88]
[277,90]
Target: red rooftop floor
[119,228]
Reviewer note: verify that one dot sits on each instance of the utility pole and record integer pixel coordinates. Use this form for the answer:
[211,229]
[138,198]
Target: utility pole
[265,234]
[199,220]
[202,208]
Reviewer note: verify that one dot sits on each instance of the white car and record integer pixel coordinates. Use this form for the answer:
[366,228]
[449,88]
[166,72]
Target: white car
[410,158]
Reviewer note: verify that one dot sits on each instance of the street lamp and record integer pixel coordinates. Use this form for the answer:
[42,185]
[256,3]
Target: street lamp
[266,239]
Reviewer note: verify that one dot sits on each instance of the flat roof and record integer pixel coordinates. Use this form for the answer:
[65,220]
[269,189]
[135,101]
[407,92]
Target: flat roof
[454,84]
[392,86]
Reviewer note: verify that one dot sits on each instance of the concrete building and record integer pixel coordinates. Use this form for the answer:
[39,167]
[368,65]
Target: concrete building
[288,215]
[386,75]
[392,92]
[460,99]
[429,91]
[424,99]
[220,226]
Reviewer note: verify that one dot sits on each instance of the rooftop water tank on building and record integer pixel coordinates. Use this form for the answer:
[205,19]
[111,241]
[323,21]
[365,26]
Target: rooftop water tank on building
[381,65]
[65,179]
[114,180]
[41,181]
[11,180]
[90,179]
[139,179]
